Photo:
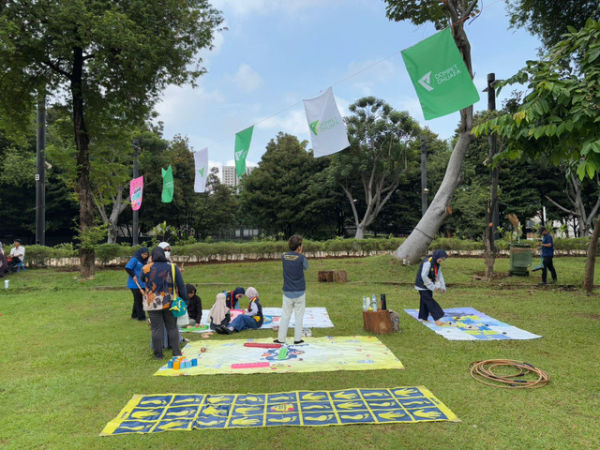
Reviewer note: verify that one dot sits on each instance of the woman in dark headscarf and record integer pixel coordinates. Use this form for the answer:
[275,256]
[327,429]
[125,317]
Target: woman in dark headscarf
[160,291]
[135,283]
[233,297]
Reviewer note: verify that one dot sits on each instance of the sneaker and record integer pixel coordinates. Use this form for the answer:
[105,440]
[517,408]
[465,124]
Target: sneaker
[299,342]
[277,341]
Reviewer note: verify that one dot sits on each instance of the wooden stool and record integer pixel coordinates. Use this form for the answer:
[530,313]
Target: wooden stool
[378,322]
[328,276]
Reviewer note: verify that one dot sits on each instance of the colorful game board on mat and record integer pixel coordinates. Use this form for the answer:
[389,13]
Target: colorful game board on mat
[314,317]
[170,412]
[468,324]
[315,355]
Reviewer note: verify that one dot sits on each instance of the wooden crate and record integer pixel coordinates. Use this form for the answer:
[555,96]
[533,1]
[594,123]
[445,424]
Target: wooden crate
[378,322]
[329,276]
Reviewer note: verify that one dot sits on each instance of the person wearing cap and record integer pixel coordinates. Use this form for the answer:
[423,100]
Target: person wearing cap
[430,280]
[17,255]
[547,245]
[167,249]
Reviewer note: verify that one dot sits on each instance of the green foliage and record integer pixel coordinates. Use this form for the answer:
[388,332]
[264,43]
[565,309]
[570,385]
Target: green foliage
[92,237]
[288,192]
[370,170]
[550,19]
[558,119]
[107,252]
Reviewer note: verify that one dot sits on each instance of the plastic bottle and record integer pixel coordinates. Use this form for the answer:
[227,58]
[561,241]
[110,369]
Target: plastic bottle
[383,302]
[374,302]
[365,305]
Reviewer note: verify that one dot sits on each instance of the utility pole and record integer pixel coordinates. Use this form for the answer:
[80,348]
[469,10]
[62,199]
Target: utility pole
[491,91]
[424,189]
[136,214]
[40,176]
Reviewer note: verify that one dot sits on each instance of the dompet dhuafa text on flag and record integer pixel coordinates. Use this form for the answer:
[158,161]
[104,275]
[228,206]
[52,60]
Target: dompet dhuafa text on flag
[440,76]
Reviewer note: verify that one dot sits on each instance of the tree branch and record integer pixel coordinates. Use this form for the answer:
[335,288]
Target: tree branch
[559,206]
[56,68]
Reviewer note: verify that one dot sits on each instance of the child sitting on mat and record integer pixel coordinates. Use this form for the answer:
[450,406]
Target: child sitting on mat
[252,317]
[194,305]
[233,297]
[219,315]
[430,280]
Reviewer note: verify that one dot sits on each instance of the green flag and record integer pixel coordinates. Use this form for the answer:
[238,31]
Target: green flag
[168,186]
[242,145]
[439,74]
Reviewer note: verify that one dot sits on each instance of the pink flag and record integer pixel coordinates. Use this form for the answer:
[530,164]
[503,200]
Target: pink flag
[136,188]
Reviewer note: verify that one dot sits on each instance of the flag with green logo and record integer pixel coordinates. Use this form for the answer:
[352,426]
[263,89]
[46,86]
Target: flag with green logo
[168,186]
[328,132]
[242,145]
[440,76]
[201,170]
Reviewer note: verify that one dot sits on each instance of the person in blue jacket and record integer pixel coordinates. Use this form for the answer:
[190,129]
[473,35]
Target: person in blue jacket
[430,280]
[547,256]
[134,269]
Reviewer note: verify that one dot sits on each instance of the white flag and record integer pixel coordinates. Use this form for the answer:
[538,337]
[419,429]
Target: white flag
[327,129]
[201,170]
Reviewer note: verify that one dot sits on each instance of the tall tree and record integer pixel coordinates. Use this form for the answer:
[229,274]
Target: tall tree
[216,209]
[443,13]
[558,119]
[114,57]
[370,170]
[285,193]
[549,19]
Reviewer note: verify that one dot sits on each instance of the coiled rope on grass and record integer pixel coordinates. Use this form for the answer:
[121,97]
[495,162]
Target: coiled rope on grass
[483,371]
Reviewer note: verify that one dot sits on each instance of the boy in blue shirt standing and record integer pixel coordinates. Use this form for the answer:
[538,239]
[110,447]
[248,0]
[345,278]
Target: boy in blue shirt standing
[294,290]
[547,255]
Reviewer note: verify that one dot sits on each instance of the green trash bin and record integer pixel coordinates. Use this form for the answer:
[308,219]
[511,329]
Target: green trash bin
[520,259]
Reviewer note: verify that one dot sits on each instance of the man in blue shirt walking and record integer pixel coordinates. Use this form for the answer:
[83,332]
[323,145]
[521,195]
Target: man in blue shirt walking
[547,255]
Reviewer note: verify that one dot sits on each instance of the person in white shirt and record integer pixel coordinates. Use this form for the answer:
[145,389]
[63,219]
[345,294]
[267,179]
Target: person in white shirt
[17,254]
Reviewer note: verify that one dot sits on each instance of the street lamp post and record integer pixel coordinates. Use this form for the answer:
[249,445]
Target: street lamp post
[40,176]
[136,216]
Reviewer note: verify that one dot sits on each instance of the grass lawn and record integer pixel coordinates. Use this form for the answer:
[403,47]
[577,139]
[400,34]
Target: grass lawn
[71,358]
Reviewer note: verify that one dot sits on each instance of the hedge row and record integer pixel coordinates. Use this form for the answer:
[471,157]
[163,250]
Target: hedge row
[39,255]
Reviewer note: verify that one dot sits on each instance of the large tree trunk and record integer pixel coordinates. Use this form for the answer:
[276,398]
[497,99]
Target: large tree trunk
[590,262]
[419,239]
[82,141]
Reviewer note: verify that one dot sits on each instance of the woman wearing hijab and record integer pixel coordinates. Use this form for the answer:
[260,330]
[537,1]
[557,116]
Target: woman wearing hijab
[252,317]
[233,297]
[219,315]
[160,291]
[430,280]
[135,283]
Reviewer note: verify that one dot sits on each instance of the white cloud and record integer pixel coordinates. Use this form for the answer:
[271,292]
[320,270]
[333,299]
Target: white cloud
[247,79]
[179,103]
[293,122]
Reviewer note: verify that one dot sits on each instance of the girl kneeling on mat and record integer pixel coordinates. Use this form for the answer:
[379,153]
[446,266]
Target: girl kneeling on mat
[252,317]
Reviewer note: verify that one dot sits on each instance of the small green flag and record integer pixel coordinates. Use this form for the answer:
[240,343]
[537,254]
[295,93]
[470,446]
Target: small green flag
[440,76]
[168,186]
[242,145]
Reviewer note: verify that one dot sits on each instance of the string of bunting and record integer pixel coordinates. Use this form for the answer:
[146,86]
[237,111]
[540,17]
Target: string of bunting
[438,73]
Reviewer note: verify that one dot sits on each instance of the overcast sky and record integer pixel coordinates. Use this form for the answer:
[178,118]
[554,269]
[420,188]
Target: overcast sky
[277,52]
